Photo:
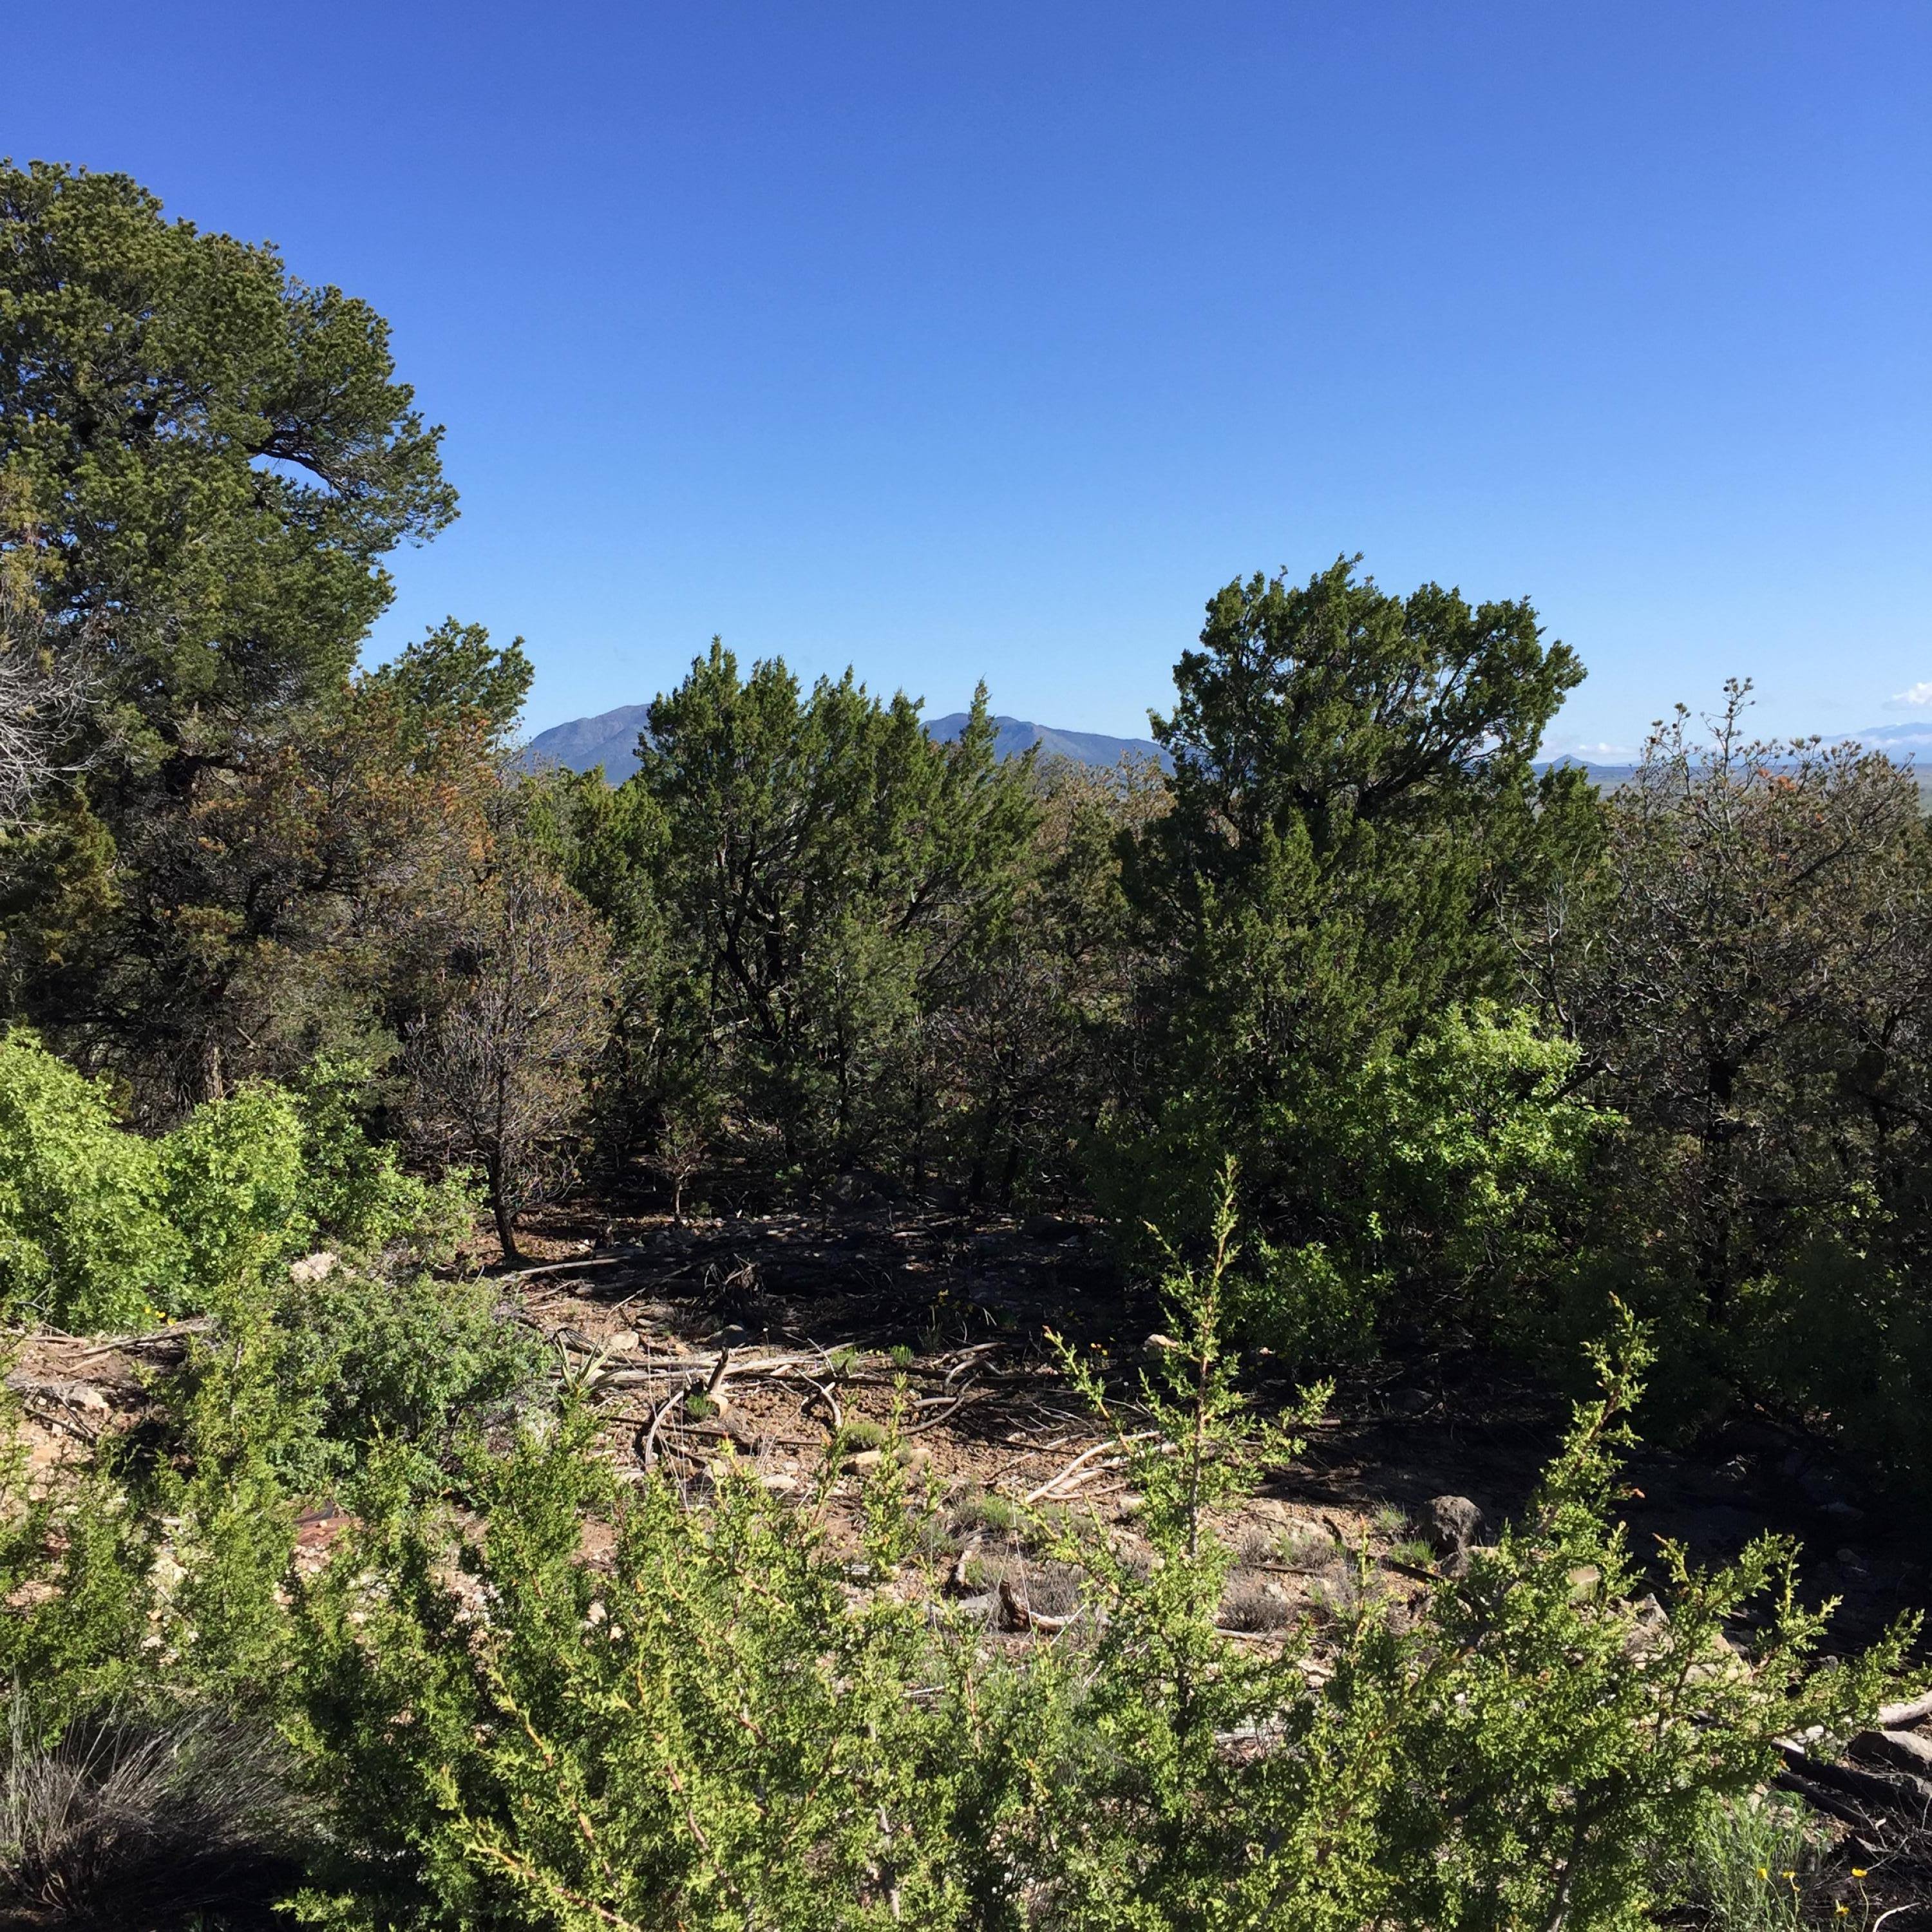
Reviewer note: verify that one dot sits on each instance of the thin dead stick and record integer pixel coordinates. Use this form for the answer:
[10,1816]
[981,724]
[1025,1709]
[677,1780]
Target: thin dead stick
[825,1395]
[969,1358]
[610,1258]
[1085,1457]
[147,1337]
[1059,1490]
[933,1421]
[657,1420]
[1094,1495]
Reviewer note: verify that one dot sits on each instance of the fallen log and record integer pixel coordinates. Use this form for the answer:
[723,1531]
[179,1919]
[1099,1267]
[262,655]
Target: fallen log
[1904,1751]
[1894,1794]
[688,1365]
[1820,1799]
[147,1338]
[1901,1716]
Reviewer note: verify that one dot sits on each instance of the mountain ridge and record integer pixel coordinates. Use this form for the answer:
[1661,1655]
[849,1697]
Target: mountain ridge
[610,739]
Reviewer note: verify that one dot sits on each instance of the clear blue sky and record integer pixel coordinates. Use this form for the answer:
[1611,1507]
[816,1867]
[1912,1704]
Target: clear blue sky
[987,339]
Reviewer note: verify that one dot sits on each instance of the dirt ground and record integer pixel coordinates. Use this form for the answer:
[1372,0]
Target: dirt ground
[776,1334]
[837,1319]
[840,1317]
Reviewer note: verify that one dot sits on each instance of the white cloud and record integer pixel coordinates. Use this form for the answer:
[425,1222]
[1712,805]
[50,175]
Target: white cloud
[1595,755]
[1917,697]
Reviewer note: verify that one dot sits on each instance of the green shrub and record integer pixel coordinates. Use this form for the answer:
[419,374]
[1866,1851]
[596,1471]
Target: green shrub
[232,1181]
[360,1198]
[103,1228]
[82,1244]
[409,1360]
[1447,1169]
[709,1732]
[713,1728]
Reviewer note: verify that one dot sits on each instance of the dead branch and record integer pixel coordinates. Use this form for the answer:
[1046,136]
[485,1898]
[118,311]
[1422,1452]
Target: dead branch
[1087,1455]
[1893,1794]
[742,1367]
[945,1415]
[659,1416]
[149,1337]
[824,1392]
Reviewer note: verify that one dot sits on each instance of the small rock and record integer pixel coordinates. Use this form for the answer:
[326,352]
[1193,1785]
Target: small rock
[1450,1524]
[866,1459]
[312,1268]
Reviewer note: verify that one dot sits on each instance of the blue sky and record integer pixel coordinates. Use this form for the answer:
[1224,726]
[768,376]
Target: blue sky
[963,341]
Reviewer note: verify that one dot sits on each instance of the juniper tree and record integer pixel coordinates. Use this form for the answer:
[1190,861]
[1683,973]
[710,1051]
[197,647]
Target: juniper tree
[203,462]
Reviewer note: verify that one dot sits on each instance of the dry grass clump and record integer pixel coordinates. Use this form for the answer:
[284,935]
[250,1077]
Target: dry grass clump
[1251,1603]
[131,1820]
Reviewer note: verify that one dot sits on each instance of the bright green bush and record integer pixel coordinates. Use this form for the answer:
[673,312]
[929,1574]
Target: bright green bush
[359,1196]
[103,1228]
[82,1243]
[711,1732]
[1446,1171]
[232,1182]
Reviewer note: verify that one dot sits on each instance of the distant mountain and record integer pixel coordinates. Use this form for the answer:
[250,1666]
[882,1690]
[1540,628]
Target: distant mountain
[1013,735]
[610,739]
[1910,743]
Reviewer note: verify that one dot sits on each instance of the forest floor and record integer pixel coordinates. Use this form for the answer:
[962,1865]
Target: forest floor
[774,1334]
[840,1317]
[837,1319]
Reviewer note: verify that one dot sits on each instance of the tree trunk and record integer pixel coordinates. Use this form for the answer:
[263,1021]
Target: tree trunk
[506,1232]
